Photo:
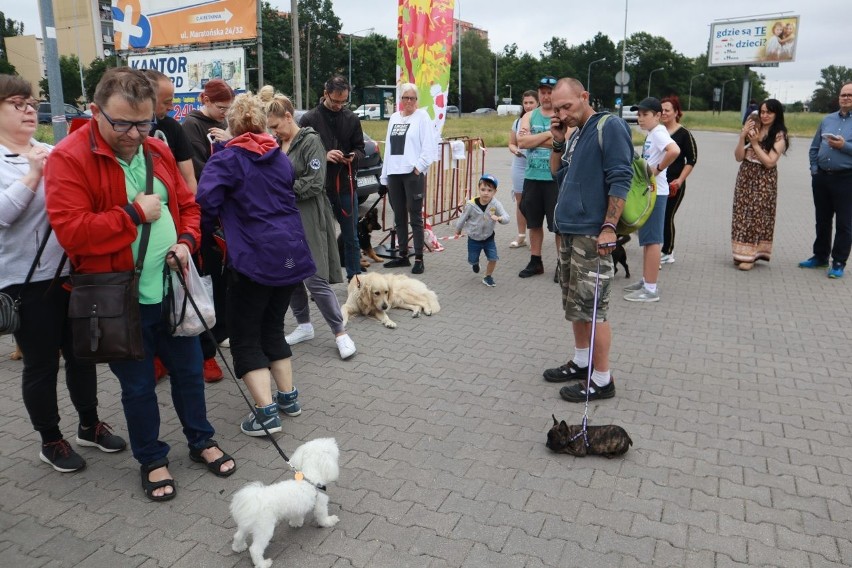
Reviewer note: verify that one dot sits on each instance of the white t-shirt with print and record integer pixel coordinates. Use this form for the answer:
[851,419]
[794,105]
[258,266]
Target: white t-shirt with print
[654,151]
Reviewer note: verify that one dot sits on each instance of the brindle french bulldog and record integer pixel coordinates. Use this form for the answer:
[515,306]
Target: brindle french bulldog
[609,440]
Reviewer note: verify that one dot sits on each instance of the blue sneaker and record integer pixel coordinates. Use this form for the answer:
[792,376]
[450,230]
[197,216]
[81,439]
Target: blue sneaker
[270,418]
[836,270]
[814,262]
[488,281]
[288,402]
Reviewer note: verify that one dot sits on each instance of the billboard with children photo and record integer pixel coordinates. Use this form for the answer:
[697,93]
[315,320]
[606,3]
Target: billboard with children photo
[752,42]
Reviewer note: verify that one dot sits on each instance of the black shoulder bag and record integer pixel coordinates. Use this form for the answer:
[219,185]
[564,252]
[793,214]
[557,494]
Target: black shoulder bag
[10,317]
[106,324]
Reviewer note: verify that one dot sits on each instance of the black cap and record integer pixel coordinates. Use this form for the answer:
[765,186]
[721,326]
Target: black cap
[649,103]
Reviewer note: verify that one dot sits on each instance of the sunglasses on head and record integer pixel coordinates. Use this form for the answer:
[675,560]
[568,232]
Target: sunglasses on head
[549,81]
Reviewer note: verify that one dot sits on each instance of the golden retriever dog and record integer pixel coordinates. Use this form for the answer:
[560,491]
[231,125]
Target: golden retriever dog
[375,293]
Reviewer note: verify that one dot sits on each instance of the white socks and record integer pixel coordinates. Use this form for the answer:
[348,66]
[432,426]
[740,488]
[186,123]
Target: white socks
[601,378]
[306,326]
[581,357]
[651,287]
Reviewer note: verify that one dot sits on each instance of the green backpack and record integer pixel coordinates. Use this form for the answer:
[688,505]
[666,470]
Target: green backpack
[642,195]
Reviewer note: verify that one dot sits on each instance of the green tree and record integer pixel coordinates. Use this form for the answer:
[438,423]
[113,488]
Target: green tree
[69,70]
[832,78]
[373,62]
[477,73]
[93,73]
[520,70]
[8,28]
[277,48]
[320,48]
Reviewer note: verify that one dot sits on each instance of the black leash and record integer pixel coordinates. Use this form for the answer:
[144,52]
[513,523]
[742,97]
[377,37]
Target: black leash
[254,409]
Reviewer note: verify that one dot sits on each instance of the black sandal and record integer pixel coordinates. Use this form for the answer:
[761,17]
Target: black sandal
[215,467]
[149,486]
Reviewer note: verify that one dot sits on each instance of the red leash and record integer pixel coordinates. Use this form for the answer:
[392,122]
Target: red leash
[351,190]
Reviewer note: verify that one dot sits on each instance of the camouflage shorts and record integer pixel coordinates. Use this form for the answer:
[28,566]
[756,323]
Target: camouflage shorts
[578,264]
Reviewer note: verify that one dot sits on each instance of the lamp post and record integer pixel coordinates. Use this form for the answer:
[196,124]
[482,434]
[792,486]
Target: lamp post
[623,59]
[650,75]
[371,30]
[589,76]
[458,27]
[510,93]
[722,100]
[694,77]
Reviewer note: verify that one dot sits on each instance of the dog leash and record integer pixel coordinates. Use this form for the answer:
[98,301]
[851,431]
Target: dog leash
[584,432]
[299,476]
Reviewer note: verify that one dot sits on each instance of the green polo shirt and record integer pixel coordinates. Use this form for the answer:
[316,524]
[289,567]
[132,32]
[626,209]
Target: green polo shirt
[163,232]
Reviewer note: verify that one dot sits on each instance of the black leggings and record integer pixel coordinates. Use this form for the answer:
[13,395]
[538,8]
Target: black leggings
[672,204]
[45,330]
[406,192]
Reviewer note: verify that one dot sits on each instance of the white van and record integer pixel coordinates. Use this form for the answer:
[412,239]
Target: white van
[371,111]
[503,110]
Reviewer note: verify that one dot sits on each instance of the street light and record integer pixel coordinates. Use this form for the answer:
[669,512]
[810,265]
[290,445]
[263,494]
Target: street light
[510,93]
[694,77]
[651,74]
[589,76]
[722,100]
[371,30]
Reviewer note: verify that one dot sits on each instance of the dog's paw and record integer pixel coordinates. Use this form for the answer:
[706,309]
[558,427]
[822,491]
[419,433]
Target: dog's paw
[296,523]
[390,325]
[329,521]
[427,312]
[241,547]
[265,563]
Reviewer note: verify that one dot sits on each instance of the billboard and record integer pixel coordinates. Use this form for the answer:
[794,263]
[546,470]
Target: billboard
[190,71]
[752,42]
[140,24]
[423,53]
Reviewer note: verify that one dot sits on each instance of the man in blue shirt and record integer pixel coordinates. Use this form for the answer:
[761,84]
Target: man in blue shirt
[831,167]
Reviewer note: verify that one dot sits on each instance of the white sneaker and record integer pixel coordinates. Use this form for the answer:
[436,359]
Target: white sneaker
[643,295]
[226,343]
[667,259]
[303,332]
[635,286]
[345,346]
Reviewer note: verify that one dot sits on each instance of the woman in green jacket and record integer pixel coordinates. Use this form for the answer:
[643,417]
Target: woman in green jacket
[307,153]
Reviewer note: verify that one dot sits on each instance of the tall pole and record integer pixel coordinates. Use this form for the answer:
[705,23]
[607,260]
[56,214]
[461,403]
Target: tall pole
[458,27]
[623,60]
[259,44]
[722,100]
[510,94]
[308,72]
[589,76]
[297,58]
[496,96]
[54,77]
[350,57]
[650,76]
[694,77]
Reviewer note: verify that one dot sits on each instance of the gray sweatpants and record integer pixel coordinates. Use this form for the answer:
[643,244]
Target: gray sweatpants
[406,192]
[326,301]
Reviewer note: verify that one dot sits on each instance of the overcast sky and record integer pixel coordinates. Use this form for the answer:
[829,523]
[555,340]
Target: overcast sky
[686,24]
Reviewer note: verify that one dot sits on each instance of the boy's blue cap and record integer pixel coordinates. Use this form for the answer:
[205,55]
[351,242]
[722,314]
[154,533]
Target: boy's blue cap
[490,179]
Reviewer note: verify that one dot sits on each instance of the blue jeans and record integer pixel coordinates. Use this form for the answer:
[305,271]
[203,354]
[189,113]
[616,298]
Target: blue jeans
[182,357]
[347,216]
[476,248]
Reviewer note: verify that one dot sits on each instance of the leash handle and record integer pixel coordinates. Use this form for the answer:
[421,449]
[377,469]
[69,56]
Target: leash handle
[253,408]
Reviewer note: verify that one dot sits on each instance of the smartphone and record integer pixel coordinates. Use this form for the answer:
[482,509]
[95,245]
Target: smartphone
[349,155]
[832,136]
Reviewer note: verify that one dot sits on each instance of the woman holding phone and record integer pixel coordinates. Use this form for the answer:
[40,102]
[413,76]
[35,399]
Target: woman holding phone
[761,143]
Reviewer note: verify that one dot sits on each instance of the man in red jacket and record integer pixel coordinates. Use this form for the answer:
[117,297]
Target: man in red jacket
[96,202]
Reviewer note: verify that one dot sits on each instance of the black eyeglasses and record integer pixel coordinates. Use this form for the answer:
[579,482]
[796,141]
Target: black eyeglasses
[143,127]
[21,104]
[551,81]
[408,98]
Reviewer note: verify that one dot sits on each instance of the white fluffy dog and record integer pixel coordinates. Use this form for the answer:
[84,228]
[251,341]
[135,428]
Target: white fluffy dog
[374,293]
[257,508]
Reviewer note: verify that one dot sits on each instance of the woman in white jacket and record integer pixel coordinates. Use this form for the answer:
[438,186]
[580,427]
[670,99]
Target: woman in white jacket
[409,149]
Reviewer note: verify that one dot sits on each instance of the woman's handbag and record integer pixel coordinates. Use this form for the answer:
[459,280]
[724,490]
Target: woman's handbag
[10,318]
[106,324]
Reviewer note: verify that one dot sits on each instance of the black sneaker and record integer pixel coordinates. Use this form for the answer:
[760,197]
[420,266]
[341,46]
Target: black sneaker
[397,263]
[568,372]
[61,456]
[475,268]
[100,436]
[532,269]
[577,392]
[418,267]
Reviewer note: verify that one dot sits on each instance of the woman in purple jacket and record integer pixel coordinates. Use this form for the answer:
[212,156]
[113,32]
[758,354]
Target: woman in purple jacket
[248,185]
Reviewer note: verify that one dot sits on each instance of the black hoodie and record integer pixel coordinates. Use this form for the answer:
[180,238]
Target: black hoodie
[195,126]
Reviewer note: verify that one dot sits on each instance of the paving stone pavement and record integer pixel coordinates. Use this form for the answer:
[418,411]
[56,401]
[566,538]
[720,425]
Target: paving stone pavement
[735,388]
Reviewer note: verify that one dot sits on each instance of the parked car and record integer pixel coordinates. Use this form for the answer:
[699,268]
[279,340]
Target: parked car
[71,112]
[369,170]
[453,110]
[631,116]
[371,111]
[483,111]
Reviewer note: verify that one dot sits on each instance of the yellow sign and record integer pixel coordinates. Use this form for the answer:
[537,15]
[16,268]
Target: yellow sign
[141,24]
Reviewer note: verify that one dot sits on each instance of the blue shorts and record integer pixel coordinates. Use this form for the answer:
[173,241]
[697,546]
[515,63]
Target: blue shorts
[475,248]
[651,233]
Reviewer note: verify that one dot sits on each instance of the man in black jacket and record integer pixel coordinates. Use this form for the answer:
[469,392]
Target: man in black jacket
[343,139]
